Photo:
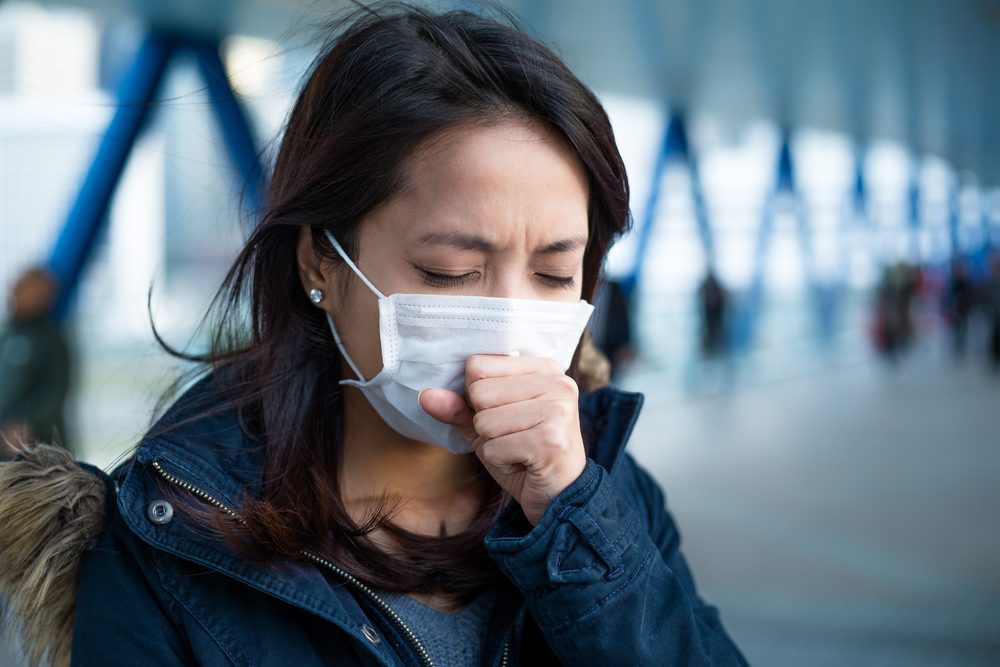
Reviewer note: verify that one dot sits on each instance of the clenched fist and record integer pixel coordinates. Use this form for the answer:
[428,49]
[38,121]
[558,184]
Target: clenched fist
[521,416]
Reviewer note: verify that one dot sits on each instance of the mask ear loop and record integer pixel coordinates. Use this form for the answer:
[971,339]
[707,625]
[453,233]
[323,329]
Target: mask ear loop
[350,263]
[333,327]
[343,351]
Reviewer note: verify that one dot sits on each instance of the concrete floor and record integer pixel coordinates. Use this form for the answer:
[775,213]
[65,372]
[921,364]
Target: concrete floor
[848,517]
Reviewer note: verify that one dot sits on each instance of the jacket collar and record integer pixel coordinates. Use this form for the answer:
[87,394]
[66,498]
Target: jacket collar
[215,454]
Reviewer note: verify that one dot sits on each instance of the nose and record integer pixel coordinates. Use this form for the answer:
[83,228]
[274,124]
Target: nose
[515,281]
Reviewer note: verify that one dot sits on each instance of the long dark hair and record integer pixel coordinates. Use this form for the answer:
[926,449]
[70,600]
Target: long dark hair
[393,77]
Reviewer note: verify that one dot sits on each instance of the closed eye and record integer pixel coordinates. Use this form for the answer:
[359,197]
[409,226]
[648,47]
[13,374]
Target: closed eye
[448,280]
[445,279]
[564,282]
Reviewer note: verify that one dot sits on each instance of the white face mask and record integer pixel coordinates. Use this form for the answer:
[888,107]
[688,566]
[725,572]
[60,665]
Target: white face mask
[426,339]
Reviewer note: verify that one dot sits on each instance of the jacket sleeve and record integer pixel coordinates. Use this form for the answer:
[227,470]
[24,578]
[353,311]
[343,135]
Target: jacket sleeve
[121,618]
[606,581]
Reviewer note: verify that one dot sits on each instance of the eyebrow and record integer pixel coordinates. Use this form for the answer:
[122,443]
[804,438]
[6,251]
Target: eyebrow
[457,240]
[566,245]
[480,244]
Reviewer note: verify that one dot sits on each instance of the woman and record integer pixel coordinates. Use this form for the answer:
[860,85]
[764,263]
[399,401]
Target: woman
[388,463]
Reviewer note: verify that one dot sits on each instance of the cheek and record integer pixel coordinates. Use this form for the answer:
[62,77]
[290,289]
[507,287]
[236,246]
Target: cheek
[357,322]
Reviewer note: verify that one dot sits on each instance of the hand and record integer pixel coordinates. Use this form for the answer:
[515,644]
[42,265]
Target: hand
[521,416]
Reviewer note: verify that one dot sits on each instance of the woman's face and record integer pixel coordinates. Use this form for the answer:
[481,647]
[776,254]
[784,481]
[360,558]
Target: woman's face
[489,211]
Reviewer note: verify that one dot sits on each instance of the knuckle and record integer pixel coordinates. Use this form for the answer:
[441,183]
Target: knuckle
[485,451]
[482,423]
[568,386]
[476,392]
[551,434]
[528,460]
[475,368]
[563,409]
[489,453]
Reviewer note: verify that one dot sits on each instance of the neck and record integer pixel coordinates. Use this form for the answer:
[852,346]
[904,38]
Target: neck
[439,490]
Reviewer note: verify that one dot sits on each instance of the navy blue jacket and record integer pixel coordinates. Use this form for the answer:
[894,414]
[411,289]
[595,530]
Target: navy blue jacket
[599,580]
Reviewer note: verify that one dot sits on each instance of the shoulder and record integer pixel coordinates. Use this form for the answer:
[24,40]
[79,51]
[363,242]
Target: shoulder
[52,513]
[121,595]
[205,438]
[116,570]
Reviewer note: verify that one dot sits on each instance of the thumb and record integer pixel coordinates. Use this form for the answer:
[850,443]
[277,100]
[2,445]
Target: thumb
[450,408]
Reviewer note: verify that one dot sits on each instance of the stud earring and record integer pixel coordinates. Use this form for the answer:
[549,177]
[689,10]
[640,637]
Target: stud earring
[315,295]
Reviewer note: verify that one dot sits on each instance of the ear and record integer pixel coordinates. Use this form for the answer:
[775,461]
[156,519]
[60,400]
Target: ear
[310,267]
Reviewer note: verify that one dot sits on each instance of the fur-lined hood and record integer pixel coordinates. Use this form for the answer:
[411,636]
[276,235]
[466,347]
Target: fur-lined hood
[52,511]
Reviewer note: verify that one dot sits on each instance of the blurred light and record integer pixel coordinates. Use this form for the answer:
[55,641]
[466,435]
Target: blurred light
[47,52]
[253,64]
[638,124]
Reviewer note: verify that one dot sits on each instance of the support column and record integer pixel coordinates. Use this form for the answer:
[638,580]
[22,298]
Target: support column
[749,311]
[674,146]
[234,124]
[88,215]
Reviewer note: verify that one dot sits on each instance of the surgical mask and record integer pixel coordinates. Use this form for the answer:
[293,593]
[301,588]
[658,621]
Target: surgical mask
[427,338]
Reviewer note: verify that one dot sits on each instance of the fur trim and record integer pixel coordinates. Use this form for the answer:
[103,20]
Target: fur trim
[51,513]
[593,367]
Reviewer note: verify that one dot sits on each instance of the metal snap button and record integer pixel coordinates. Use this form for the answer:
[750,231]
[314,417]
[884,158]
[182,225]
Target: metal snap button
[370,634]
[160,512]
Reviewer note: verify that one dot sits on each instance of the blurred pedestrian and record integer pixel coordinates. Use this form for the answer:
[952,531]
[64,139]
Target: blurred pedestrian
[960,297]
[991,302]
[713,302]
[35,365]
[894,329]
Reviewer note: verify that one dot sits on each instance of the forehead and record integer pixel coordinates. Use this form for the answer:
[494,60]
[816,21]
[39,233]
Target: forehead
[512,179]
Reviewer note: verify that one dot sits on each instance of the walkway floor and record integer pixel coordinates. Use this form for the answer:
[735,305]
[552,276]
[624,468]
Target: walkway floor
[844,518]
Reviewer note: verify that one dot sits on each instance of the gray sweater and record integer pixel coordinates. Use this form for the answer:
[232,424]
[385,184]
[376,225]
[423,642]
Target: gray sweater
[453,639]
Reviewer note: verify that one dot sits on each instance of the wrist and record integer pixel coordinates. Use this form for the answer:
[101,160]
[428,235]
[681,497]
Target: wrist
[533,513]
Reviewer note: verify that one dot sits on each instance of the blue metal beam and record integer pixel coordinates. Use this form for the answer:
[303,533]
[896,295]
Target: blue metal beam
[860,190]
[701,212]
[234,124]
[984,211]
[749,308]
[954,215]
[645,230]
[823,298]
[855,215]
[914,212]
[674,146]
[88,214]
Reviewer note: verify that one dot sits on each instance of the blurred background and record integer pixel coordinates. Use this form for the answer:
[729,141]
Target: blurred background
[809,298]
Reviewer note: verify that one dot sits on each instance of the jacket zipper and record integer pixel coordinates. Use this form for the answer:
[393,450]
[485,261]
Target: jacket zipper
[425,657]
[415,642]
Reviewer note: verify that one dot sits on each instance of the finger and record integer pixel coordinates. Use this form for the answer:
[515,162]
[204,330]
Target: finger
[507,454]
[492,392]
[480,366]
[450,408]
[530,448]
[514,417]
